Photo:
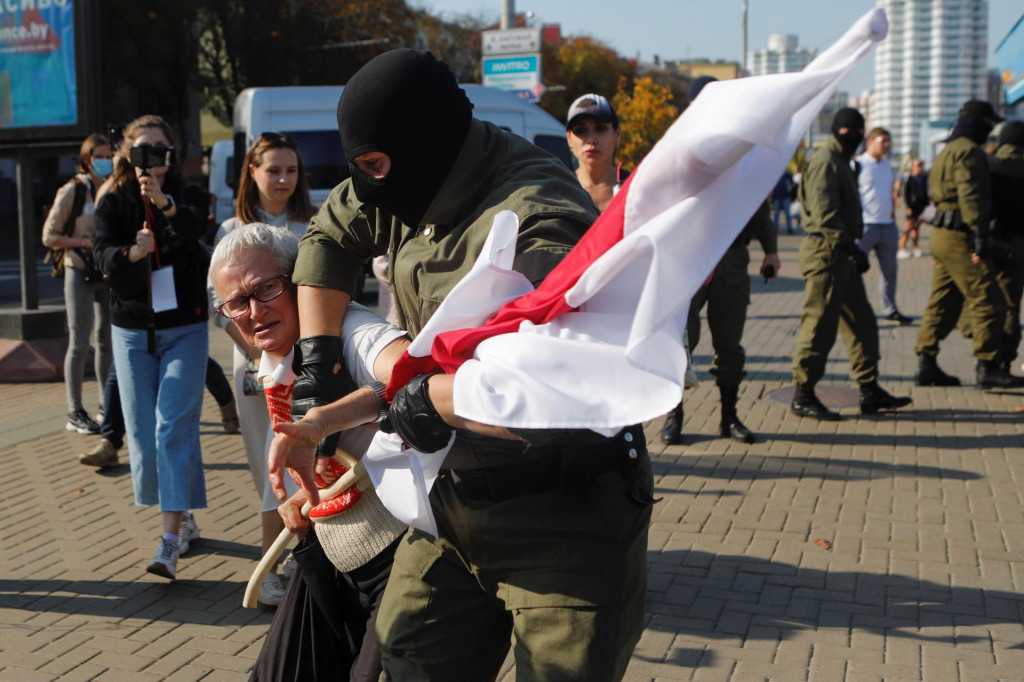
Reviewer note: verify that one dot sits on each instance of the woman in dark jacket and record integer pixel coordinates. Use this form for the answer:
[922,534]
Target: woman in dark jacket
[148,244]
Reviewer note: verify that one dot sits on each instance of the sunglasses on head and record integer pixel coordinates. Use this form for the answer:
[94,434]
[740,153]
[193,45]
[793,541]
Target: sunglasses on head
[276,137]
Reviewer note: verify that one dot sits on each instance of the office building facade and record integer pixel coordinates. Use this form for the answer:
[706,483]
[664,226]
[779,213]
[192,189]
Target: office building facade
[933,60]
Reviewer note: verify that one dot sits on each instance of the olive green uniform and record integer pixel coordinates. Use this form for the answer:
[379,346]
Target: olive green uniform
[1007,171]
[727,296]
[959,183]
[834,295]
[537,538]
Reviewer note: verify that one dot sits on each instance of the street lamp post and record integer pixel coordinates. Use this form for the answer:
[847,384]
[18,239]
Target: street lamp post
[508,14]
[743,37]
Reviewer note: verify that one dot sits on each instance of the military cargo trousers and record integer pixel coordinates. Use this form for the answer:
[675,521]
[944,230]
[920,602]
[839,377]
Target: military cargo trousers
[1008,263]
[956,281]
[727,296]
[562,576]
[834,301]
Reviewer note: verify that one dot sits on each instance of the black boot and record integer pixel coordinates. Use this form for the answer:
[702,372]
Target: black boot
[992,374]
[930,374]
[874,398]
[731,426]
[673,426]
[806,404]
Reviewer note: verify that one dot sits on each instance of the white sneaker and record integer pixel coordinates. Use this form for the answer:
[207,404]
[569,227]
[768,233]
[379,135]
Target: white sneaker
[165,563]
[271,591]
[903,254]
[288,567]
[188,533]
[917,253]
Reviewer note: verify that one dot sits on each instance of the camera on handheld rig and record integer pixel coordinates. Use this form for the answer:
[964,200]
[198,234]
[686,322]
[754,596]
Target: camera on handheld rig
[146,156]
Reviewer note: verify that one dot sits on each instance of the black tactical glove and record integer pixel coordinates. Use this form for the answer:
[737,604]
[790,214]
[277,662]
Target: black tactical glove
[858,259]
[413,417]
[980,244]
[316,382]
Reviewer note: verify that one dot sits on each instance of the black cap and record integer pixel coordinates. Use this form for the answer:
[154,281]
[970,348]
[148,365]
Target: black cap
[697,85]
[1012,133]
[593,105]
[976,108]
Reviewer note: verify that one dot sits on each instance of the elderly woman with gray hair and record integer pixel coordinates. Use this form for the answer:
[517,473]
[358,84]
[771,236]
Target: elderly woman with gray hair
[251,272]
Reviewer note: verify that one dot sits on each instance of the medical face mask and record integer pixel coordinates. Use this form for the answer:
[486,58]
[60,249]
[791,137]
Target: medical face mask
[102,168]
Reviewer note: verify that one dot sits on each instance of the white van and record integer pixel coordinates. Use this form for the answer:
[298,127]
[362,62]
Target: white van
[308,114]
[222,170]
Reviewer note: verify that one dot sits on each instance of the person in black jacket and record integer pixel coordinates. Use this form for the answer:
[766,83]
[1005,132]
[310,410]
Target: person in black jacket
[148,244]
[915,196]
[1006,165]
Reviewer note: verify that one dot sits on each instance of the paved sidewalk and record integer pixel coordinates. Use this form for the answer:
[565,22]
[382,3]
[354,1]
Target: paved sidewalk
[876,548]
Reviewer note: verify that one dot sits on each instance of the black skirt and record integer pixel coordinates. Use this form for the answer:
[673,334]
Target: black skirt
[323,628]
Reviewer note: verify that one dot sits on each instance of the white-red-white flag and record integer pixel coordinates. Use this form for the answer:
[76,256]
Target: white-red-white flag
[599,344]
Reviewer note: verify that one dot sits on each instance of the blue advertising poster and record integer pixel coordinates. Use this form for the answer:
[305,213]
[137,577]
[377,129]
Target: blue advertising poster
[1010,58]
[37,64]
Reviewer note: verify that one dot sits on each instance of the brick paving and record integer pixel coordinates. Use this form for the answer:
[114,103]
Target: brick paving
[877,548]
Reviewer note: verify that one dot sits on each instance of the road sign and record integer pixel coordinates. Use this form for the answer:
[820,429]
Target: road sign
[513,72]
[511,41]
[531,94]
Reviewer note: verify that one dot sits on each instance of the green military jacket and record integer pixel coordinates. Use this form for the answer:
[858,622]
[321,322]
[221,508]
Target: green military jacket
[761,228]
[1007,173]
[959,179]
[494,171]
[829,197]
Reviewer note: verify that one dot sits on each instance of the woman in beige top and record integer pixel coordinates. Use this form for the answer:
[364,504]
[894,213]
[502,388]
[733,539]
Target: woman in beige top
[87,303]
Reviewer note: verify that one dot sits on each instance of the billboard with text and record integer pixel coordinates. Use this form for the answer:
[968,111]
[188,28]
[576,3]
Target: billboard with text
[38,86]
[1010,58]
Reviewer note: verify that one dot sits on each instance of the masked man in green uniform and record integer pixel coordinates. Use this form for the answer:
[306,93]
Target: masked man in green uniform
[543,534]
[727,297]
[960,186]
[832,265]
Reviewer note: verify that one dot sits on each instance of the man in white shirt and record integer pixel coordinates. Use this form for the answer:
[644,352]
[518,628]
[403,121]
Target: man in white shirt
[876,180]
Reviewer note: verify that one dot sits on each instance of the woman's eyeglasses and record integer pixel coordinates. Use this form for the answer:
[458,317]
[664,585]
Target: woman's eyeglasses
[263,292]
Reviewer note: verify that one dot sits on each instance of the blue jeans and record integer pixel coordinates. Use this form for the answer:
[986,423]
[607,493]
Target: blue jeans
[162,398]
[783,206]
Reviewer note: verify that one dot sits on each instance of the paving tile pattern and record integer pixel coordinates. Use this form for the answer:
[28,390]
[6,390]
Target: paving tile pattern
[878,548]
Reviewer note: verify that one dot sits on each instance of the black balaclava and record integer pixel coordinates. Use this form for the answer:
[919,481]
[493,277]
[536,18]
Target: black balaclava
[976,130]
[698,85]
[1012,133]
[975,121]
[854,123]
[406,104]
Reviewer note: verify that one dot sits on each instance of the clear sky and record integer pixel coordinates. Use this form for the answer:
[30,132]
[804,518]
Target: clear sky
[689,29]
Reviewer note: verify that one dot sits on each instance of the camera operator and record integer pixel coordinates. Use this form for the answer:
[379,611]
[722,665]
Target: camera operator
[148,244]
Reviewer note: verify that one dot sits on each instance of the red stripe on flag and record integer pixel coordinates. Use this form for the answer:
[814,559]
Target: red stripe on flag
[540,306]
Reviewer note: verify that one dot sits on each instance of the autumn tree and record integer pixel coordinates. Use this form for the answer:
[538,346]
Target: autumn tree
[455,42]
[242,43]
[148,58]
[252,43]
[645,112]
[579,65]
